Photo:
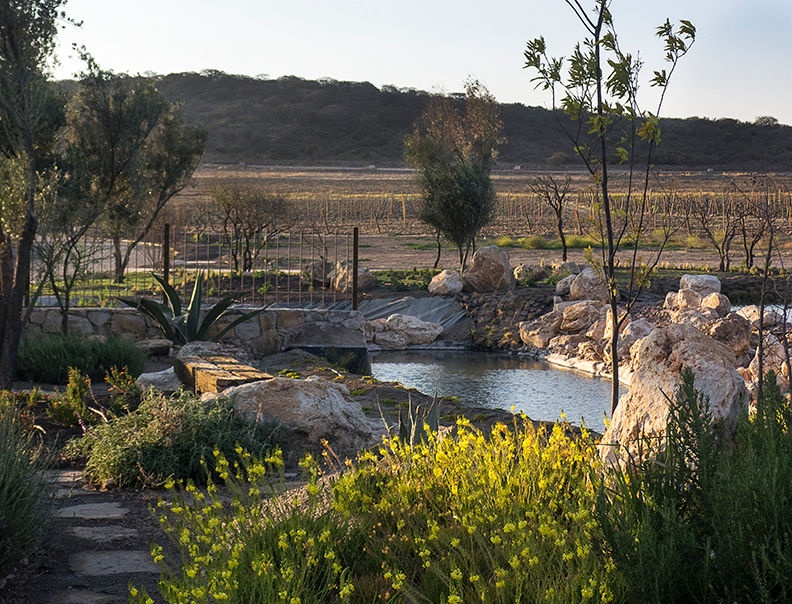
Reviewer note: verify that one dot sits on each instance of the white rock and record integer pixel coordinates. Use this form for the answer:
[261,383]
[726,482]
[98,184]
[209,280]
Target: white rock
[579,316]
[753,313]
[717,302]
[588,285]
[415,330]
[163,381]
[490,270]
[563,285]
[539,332]
[446,282]
[643,412]
[341,277]
[315,408]
[688,298]
[703,284]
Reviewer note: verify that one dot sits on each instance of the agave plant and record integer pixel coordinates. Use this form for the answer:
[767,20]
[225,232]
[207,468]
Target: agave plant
[184,325]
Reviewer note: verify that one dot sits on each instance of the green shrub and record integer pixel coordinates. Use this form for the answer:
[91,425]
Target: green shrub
[166,438]
[463,518]
[533,242]
[403,280]
[709,521]
[24,497]
[580,242]
[48,358]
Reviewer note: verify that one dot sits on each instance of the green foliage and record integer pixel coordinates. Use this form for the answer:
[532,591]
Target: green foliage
[403,280]
[48,358]
[166,438]
[185,325]
[415,425]
[24,495]
[71,408]
[453,156]
[709,520]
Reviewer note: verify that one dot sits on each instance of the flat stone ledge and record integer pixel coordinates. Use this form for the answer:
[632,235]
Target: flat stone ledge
[215,373]
[113,562]
[83,596]
[93,511]
[102,534]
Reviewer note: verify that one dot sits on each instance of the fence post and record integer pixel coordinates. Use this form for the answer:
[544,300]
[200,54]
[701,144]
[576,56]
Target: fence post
[354,268]
[166,255]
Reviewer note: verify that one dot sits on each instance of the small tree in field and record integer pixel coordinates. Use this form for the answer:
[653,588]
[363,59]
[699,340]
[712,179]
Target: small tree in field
[553,191]
[453,155]
[600,93]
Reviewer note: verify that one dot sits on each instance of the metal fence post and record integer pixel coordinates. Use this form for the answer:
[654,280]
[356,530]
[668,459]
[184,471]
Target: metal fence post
[166,257]
[355,235]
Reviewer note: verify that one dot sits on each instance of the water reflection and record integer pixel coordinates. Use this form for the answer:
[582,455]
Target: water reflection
[499,381]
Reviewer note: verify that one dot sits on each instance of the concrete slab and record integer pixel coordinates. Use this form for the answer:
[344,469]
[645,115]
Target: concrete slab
[113,562]
[102,534]
[93,511]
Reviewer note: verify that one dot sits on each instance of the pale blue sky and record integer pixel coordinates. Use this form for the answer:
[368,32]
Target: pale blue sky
[739,67]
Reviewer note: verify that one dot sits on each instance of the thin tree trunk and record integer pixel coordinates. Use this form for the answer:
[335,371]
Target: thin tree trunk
[439,249]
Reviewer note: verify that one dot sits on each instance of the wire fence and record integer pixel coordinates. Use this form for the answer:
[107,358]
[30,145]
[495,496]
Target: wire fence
[277,268]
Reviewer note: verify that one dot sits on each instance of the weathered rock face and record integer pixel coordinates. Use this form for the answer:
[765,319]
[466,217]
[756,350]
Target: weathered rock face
[525,272]
[661,356]
[446,282]
[734,331]
[341,278]
[608,331]
[399,331]
[562,287]
[567,344]
[489,271]
[702,284]
[579,316]
[717,302]
[163,381]
[753,314]
[588,285]
[698,318]
[540,331]
[687,298]
[774,359]
[314,408]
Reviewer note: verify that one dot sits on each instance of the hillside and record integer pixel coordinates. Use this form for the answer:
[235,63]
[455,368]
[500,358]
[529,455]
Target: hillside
[291,120]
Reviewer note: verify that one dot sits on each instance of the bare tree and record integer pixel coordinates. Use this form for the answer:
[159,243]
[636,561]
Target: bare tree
[719,223]
[553,191]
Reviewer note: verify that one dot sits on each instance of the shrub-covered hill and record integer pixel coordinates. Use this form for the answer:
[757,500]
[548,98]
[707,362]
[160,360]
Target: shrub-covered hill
[291,120]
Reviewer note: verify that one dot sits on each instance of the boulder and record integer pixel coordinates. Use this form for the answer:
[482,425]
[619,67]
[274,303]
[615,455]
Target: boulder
[717,302]
[490,270]
[155,347]
[400,331]
[314,408]
[642,413]
[164,381]
[79,326]
[753,313]
[698,318]
[567,344]
[670,301]
[341,277]
[597,330]
[608,331]
[687,298]
[703,284]
[563,285]
[733,330]
[539,332]
[588,285]
[591,350]
[774,359]
[579,316]
[317,273]
[446,282]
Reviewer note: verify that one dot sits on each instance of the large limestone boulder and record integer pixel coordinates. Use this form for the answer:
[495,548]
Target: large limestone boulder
[643,412]
[733,330]
[753,314]
[399,331]
[489,271]
[341,277]
[446,282]
[687,298]
[540,331]
[625,321]
[562,287]
[774,359]
[717,302]
[703,284]
[700,318]
[588,285]
[579,316]
[313,409]
[629,335]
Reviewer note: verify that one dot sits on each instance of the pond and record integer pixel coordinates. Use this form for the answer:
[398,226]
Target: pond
[500,381]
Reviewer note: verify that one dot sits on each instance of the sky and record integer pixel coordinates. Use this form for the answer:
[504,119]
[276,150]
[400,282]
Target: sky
[739,67]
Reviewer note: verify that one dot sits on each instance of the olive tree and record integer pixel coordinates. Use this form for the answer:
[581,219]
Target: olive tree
[27,39]
[453,154]
[598,85]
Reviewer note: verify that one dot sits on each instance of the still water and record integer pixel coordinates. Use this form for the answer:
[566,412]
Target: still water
[500,381]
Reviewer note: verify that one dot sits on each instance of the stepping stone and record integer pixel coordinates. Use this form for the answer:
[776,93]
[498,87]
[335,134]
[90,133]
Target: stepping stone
[68,493]
[93,511]
[114,562]
[84,596]
[63,476]
[102,534]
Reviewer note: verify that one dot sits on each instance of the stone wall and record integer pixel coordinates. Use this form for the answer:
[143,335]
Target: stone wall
[270,332]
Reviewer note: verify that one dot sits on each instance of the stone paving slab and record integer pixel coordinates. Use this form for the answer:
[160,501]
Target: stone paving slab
[83,596]
[113,562]
[63,476]
[93,511]
[75,491]
[102,534]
